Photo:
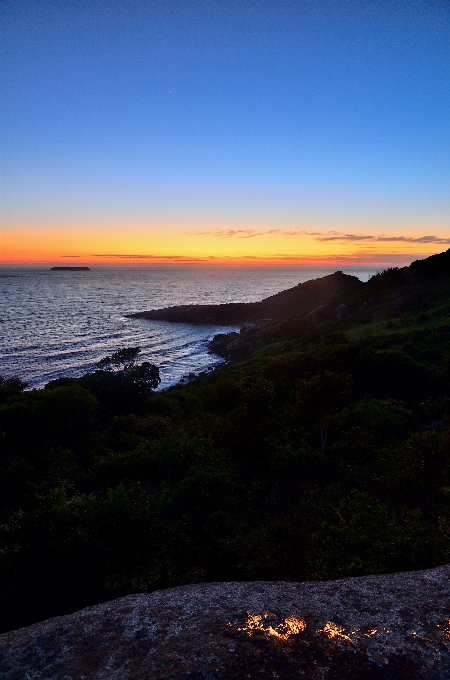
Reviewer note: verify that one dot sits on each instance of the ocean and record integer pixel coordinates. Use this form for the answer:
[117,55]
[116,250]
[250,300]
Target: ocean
[60,323]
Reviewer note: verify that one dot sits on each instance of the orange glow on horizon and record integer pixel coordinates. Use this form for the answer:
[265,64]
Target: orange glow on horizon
[237,245]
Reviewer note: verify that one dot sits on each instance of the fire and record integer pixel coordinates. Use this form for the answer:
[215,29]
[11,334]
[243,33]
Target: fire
[290,626]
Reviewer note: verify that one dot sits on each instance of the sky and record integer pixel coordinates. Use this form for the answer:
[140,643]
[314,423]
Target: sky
[214,131]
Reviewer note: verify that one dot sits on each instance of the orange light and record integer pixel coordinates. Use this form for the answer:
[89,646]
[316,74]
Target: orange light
[333,632]
[291,625]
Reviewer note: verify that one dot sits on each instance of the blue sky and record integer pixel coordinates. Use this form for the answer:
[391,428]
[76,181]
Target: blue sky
[223,112]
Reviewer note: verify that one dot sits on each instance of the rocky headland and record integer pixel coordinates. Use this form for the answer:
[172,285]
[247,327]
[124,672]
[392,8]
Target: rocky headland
[337,297]
[316,299]
[394,626]
[297,300]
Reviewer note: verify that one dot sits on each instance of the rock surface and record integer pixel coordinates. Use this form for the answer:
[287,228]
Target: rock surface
[394,626]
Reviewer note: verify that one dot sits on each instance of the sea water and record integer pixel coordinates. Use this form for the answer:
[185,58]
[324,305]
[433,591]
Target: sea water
[60,323]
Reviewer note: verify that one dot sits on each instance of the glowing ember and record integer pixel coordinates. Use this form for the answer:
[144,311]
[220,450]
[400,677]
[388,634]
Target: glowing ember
[333,632]
[290,626]
[446,631]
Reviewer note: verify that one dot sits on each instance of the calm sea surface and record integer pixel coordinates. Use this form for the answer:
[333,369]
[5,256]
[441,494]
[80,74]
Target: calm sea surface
[58,324]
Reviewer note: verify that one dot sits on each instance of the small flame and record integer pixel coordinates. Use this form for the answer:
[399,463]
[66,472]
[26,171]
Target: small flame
[290,626]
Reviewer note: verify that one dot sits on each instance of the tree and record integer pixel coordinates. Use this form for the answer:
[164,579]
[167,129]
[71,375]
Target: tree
[321,396]
[10,387]
[123,359]
[63,413]
[142,379]
[123,376]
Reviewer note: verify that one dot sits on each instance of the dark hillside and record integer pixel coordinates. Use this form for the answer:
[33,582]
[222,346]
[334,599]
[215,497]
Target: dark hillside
[387,296]
[324,453]
[337,295]
[436,265]
[298,300]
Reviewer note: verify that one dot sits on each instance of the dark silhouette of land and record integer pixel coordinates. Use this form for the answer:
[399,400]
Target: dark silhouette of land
[296,300]
[323,294]
[319,451]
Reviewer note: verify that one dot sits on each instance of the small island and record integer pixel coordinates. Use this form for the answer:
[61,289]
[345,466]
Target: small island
[70,269]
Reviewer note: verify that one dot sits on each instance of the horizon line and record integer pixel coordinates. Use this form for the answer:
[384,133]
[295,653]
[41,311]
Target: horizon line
[370,260]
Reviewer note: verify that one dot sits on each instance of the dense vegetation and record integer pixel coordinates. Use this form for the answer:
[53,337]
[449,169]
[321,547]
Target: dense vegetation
[325,454]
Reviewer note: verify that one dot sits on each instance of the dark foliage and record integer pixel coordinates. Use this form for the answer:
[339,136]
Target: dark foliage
[324,455]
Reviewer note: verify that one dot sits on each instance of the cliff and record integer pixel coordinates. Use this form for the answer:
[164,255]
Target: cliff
[394,626]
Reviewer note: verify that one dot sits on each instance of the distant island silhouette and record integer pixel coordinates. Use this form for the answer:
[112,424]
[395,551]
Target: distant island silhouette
[70,269]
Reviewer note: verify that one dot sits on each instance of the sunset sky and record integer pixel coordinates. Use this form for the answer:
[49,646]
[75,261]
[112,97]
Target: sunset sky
[252,131]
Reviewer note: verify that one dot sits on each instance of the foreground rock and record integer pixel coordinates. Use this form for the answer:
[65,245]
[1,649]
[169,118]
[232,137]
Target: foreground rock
[235,346]
[394,626]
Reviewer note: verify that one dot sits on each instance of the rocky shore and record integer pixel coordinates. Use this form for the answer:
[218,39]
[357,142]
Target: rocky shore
[337,297]
[312,301]
[393,626]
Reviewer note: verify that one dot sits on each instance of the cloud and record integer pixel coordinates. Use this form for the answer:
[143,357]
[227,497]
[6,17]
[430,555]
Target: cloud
[251,233]
[229,233]
[383,238]
[361,258]
[70,255]
[322,237]
[182,258]
[345,237]
[421,239]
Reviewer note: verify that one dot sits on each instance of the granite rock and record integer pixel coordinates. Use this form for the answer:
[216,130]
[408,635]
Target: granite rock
[394,626]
